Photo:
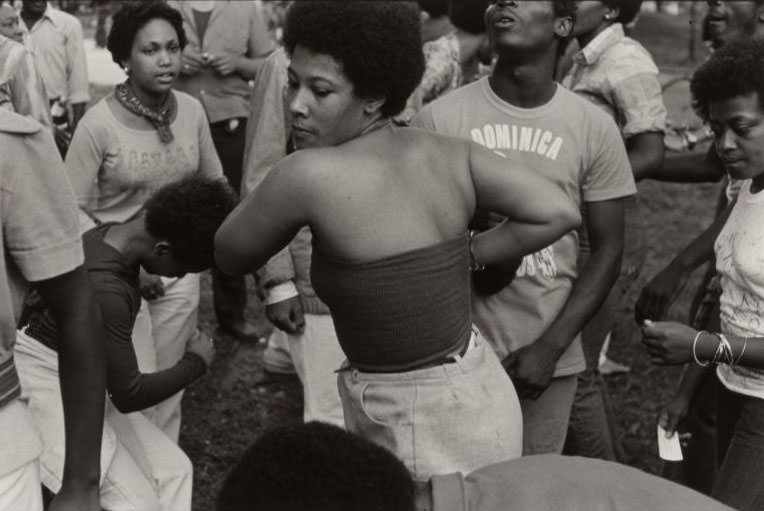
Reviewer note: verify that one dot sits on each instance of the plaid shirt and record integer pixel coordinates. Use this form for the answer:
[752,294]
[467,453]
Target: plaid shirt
[618,74]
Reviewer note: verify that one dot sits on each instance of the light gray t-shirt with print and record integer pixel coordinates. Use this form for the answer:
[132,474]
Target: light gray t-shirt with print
[576,146]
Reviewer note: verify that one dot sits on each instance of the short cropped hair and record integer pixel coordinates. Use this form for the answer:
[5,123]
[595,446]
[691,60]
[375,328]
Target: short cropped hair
[378,44]
[131,17]
[468,15]
[435,8]
[565,8]
[628,9]
[735,69]
[187,213]
[316,466]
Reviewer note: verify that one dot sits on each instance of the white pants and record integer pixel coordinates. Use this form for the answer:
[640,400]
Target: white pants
[141,468]
[162,329]
[316,354]
[21,489]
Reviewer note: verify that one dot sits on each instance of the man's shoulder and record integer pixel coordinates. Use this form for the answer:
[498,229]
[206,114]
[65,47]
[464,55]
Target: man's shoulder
[64,19]
[13,123]
[459,97]
[627,58]
[585,113]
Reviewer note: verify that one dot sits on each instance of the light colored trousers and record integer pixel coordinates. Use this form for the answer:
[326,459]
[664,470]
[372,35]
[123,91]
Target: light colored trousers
[20,489]
[453,417]
[316,355]
[162,329]
[141,468]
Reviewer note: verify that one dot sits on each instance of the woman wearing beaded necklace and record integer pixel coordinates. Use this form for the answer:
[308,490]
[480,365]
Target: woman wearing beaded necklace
[128,145]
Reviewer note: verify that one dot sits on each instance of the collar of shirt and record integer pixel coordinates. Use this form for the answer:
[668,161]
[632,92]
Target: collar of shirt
[448,493]
[605,40]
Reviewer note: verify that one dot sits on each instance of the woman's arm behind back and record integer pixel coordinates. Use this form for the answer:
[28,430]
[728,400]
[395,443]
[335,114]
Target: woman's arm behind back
[538,211]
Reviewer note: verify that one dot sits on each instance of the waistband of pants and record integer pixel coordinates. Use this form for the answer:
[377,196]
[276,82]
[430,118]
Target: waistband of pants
[458,362]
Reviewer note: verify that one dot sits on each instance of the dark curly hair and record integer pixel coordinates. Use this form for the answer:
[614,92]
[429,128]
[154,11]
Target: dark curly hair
[735,69]
[187,213]
[378,44]
[316,466]
[628,9]
[468,15]
[435,8]
[131,17]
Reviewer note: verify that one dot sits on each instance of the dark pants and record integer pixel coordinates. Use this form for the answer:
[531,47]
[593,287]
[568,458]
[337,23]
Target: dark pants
[698,468]
[230,292]
[740,448]
[593,429]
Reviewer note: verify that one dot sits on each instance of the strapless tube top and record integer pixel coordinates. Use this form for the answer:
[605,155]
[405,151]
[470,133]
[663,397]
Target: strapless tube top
[400,312]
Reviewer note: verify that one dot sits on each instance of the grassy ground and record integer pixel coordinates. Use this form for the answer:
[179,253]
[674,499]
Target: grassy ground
[234,403]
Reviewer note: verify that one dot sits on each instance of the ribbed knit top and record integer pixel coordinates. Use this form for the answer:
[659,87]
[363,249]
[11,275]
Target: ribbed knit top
[399,312]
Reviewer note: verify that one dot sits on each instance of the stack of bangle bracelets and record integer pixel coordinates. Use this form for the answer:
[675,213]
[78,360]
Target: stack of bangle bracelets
[723,353]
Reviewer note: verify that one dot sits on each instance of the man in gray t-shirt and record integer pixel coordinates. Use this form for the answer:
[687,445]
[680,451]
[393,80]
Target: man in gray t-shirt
[522,114]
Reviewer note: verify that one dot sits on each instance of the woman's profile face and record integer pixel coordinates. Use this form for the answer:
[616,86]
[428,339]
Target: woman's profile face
[324,108]
[154,61]
[738,126]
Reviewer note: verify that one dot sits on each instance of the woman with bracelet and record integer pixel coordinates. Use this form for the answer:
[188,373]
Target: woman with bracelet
[729,92]
[388,208]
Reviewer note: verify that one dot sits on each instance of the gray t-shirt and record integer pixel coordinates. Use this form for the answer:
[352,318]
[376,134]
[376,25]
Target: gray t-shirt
[575,145]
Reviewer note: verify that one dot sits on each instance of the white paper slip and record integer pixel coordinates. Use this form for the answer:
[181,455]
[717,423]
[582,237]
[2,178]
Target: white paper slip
[669,448]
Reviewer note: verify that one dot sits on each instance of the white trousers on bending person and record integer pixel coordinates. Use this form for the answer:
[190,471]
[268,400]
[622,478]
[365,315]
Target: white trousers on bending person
[160,334]
[141,468]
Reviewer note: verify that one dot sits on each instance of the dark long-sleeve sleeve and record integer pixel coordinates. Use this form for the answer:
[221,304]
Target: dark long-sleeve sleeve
[129,389]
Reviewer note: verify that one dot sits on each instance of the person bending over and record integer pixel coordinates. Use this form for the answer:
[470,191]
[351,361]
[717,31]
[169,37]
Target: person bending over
[141,467]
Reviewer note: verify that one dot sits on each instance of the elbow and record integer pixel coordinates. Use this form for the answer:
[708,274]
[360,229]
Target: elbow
[568,218]
[123,403]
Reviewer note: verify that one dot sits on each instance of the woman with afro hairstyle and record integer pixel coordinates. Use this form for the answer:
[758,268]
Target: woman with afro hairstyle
[729,94]
[389,209]
[136,139]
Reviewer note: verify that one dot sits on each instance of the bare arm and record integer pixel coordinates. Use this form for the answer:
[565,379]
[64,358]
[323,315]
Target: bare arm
[82,374]
[695,167]
[645,154]
[671,343]
[538,212]
[265,220]
[656,297]
[532,366]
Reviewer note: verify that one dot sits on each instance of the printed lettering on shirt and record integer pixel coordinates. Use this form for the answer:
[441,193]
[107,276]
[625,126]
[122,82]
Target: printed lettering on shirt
[524,139]
[518,138]
[159,165]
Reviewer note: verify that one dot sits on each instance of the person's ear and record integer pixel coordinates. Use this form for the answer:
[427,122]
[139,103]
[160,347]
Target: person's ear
[161,248]
[373,106]
[563,27]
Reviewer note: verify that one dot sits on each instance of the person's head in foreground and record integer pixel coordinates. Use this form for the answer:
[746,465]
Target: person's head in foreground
[727,20]
[528,31]
[728,91]
[316,466]
[353,64]
[180,222]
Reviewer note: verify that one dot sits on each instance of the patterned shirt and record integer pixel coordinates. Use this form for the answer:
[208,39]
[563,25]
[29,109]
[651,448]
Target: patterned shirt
[618,74]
